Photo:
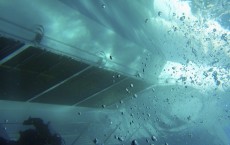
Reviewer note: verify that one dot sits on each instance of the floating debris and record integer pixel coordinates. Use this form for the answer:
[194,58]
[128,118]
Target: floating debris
[146,20]
[111,57]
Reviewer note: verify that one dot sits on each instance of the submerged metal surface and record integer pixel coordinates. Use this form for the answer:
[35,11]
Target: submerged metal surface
[8,46]
[37,75]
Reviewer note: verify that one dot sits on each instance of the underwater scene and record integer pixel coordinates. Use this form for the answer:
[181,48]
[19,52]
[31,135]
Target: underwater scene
[115,72]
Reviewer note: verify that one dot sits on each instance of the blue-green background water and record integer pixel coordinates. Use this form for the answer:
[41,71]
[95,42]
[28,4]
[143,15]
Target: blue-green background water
[182,45]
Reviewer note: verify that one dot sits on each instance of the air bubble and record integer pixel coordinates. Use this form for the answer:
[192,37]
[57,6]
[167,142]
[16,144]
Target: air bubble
[182,18]
[131,114]
[116,137]
[159,13]
[154,138]
[103,6]
[120,138]
[134,142]
[225,86]
[96,141]
[117,106]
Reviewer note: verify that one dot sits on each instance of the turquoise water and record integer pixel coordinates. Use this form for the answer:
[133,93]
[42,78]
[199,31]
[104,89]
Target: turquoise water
[181,47]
